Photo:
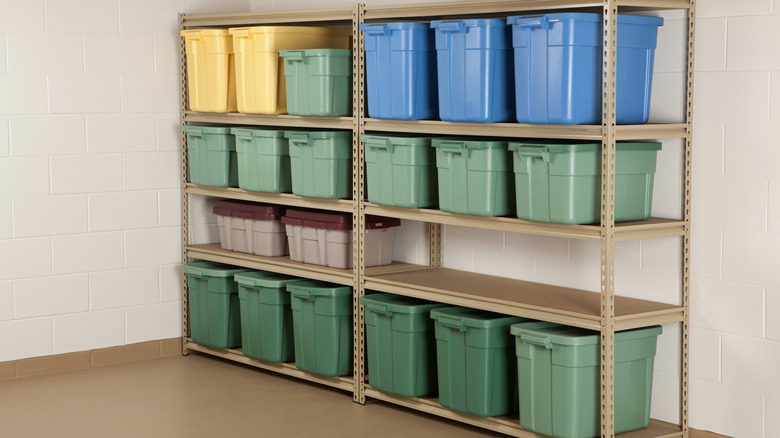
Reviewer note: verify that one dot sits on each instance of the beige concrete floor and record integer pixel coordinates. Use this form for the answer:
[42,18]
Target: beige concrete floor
[200,396]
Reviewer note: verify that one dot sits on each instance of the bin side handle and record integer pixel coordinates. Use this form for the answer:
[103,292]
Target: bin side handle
[453,26]
[537,339]
[301,139]
[454,147]
[307,294]
[452,322]
[292,55]
[538,21]
[378,308]
[534,151]
[379,143]
[376,29]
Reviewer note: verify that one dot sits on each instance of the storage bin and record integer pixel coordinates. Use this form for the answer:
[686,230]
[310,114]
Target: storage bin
[322,327]
[401,80]
[266,316]
[215,312]
[559,377]
[319,82]
[474,177]
[475,70]
[251,228]
[321,163]
[263,160]
[561,182]
[211,153]
[558,69]
[326,238]
[474,360]
[260,82]
[401,171]
[211,74]
[400,344]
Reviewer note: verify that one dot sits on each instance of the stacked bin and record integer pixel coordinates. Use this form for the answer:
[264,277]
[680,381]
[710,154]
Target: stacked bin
[401,71]
[211,152]
[319,82]
[321,163]
[215,311]
[322,327]
[260,79]
[400,344]
[263,160]
[251,228]
[211,75]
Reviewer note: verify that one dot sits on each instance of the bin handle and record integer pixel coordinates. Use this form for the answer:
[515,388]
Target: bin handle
[300,139]
[378,308]
[304,294]
[534,151]
[452,322]
[379,143]
[292,55]
[454,147]
[195,134]
[536,339]
[376,29]
[538,21]
[453,26]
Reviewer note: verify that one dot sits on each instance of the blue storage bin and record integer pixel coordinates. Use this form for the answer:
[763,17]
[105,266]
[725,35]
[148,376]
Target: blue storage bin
[475,70]
[558,71]
[401,71]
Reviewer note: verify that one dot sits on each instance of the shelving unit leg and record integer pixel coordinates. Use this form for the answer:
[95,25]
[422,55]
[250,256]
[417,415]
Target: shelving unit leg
[185,210]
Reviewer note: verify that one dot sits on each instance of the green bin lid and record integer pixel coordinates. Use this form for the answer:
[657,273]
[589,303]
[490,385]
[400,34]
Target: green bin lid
[390,303]
[395,139]
[213,269]
[467,143]
[270,280]
[318,134]
[549,333]
[252,132]
[311,288]
[195,129]
[316,52]
[476,318]
[561,146]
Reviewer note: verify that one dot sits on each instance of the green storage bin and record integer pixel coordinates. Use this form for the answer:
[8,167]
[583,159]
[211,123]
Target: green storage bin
[560,182]
[322,327]
[559,378]
[474,177]
[215,312]
[401,171]
[211,153]
[400,344]
[321,163]
[475,363]
[263,160]
[319,82]
[266,316]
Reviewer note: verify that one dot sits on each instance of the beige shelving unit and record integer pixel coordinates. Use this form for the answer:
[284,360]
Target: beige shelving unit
[603,311]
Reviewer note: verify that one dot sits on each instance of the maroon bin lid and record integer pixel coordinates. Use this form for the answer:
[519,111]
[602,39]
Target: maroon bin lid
[334,221]
[252,211]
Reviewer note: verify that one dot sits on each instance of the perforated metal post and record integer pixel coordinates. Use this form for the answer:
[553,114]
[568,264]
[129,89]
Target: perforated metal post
[185,211]
[608,128]
[435,236]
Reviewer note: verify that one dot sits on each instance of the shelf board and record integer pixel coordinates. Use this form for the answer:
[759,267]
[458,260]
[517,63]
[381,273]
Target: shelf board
[573,132]
[508,425]
[653,227]
[562,305]
[322,16]
[289,369]
[343,205]
[280,120]
[213,252]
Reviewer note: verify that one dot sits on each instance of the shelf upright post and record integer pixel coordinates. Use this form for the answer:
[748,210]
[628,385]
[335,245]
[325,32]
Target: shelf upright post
[608,129]
[183,99]
[358,213]
[435,236]
[686,268]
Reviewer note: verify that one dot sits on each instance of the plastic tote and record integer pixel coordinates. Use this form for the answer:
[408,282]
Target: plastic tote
[475,70]
[558,67]
[561,182]
[251,228]
[215,312]
[266,316]
[401,345]
[322,327]
[401,75]
[263,160]
[321,163]
[319,82]
[401,171]
[559,377]
[212,156]
[260,80]
[474,177]
[474,360]
[211,74]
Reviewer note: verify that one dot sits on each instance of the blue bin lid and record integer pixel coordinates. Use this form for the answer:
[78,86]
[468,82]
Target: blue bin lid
[382,27]
[589,17]
[549,333]
[472,22]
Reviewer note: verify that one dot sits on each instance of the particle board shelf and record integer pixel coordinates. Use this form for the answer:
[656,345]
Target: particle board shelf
[284,265]
[558,304]
[342,205]
[573,132]
[508,425]
[321,16]
[289,369]
[282,120]
[653,227]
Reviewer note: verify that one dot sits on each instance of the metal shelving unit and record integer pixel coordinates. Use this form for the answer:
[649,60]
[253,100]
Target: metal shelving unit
[602,311]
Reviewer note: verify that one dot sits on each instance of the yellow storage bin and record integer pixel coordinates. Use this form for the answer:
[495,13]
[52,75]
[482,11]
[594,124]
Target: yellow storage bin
[261,86]
[211,74]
